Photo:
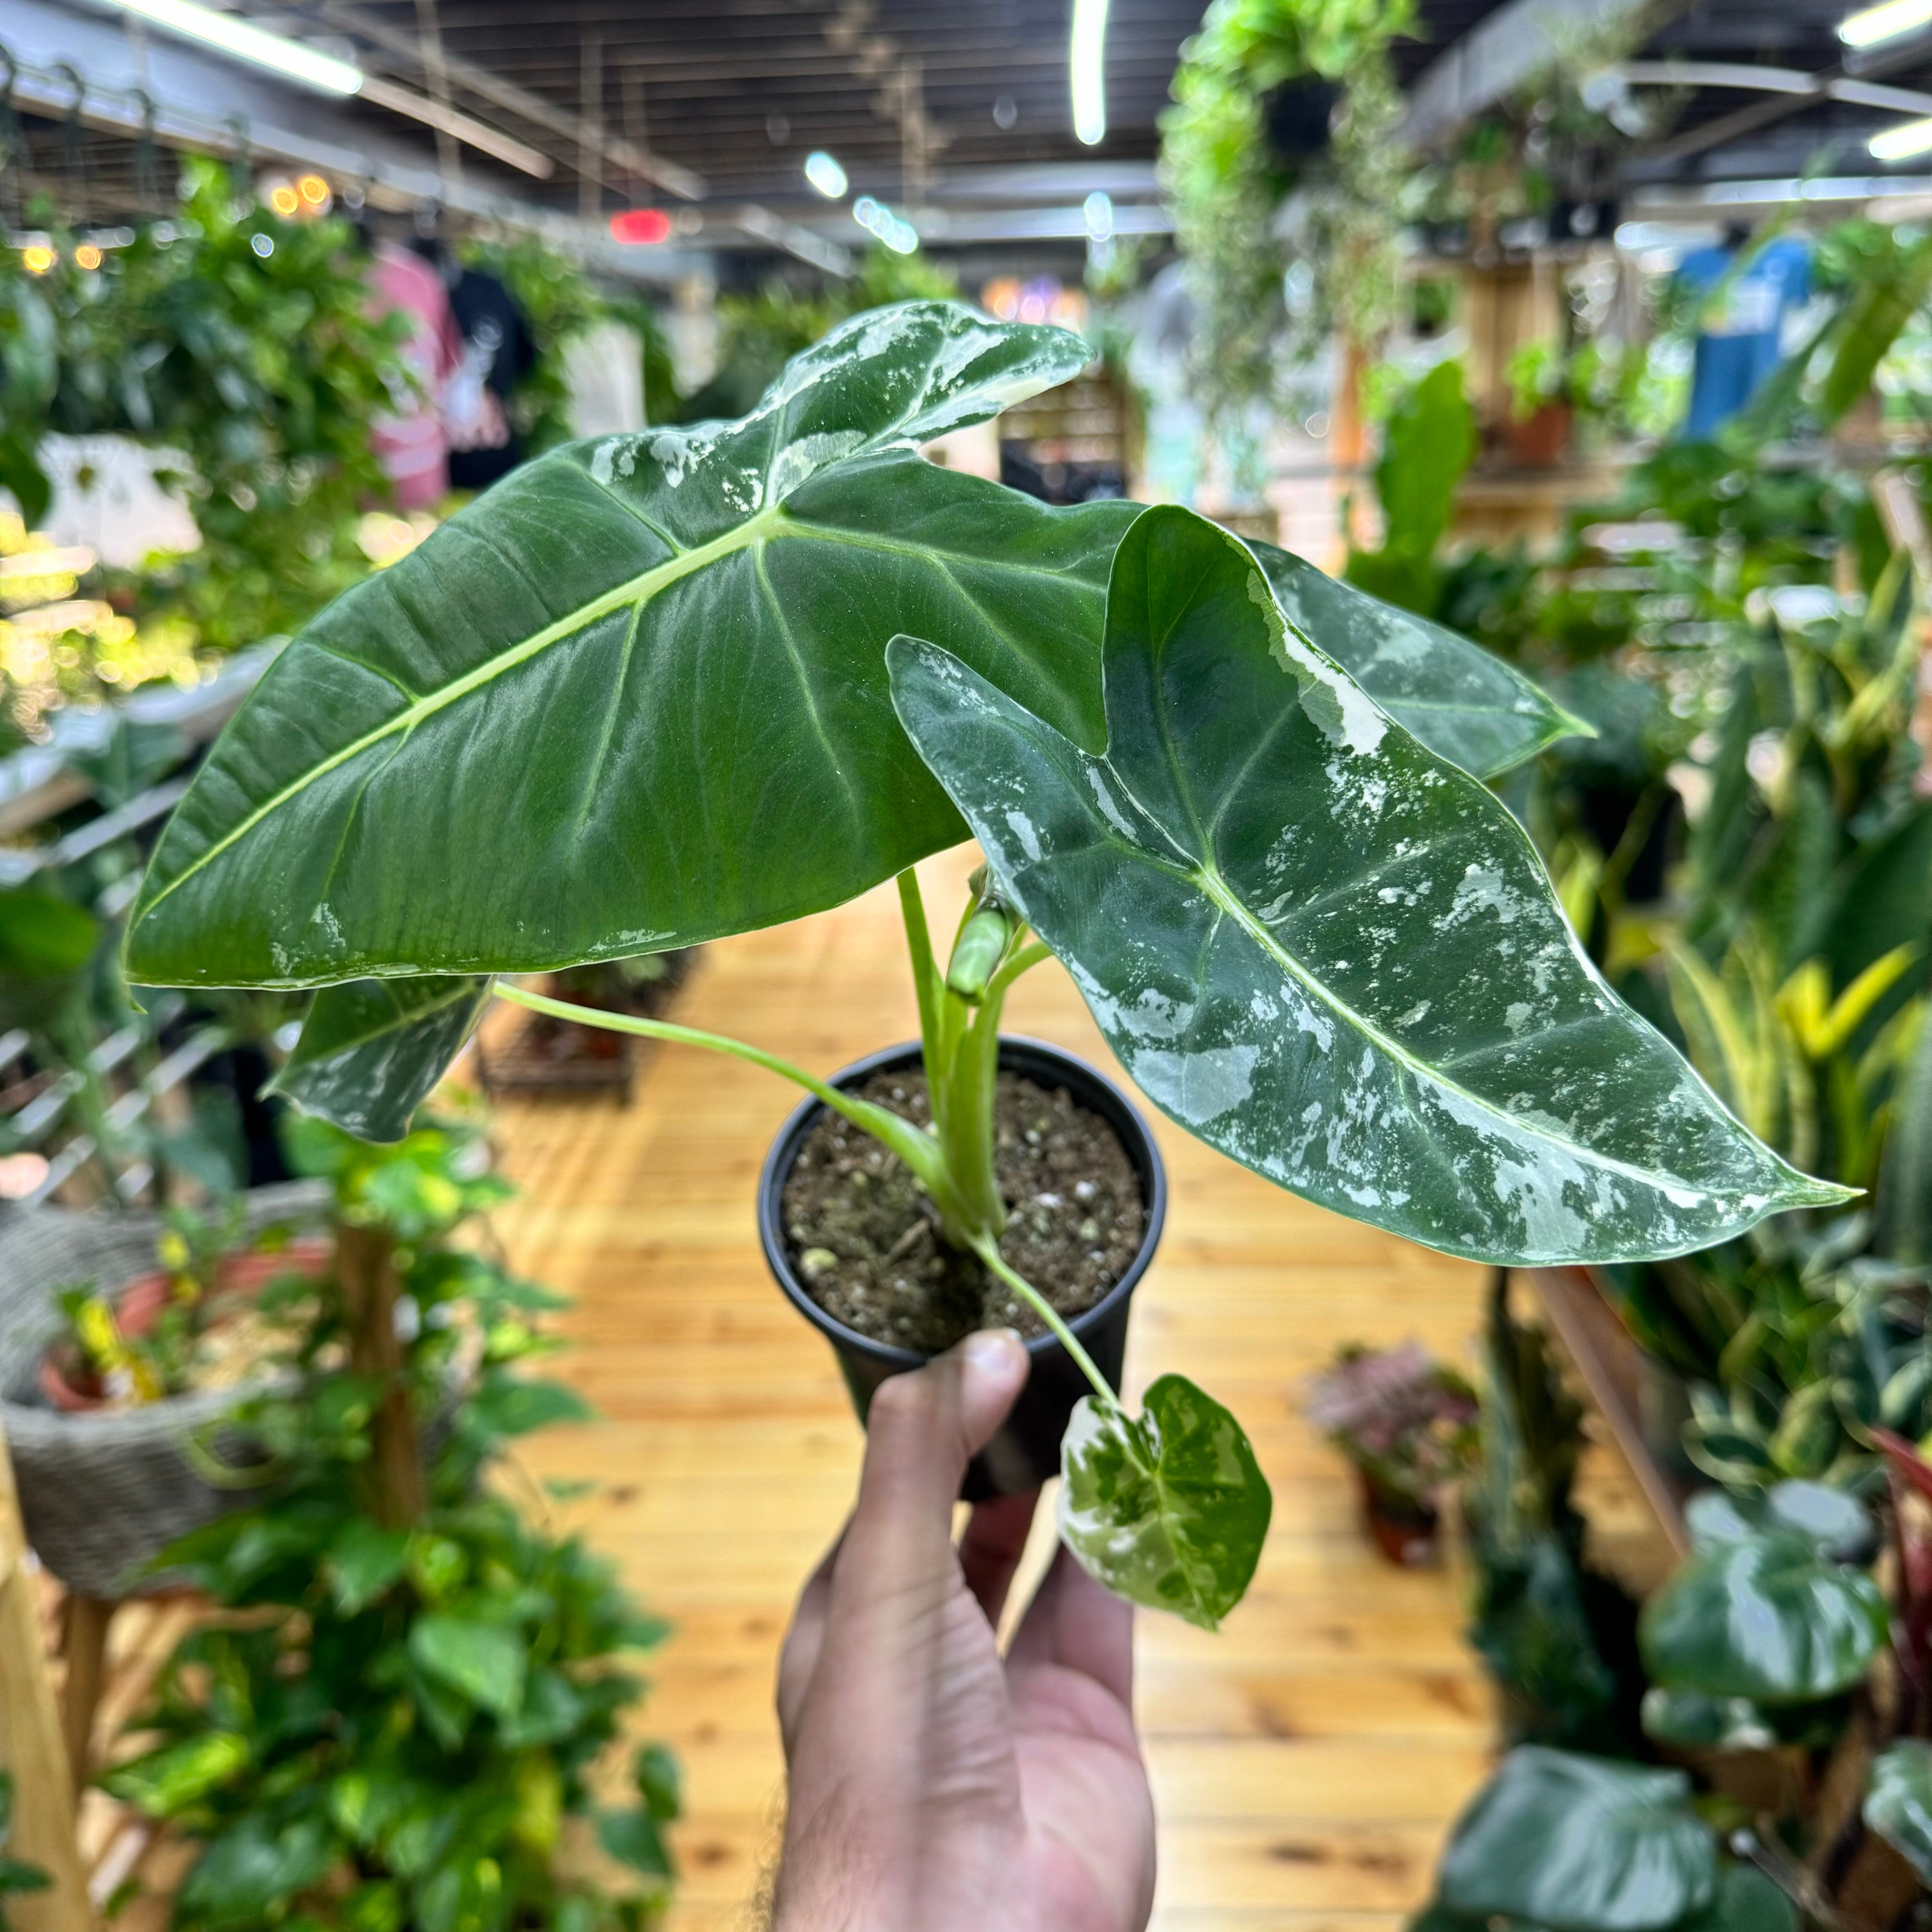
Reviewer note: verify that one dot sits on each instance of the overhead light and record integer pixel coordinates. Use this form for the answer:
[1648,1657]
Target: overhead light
[1901,143]
[825,174]
[1086,71]
[233,35]
[1884,22]
[894,230]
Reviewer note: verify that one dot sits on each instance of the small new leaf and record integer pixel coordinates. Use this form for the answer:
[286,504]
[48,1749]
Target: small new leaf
[371,1050]
[1169,1509]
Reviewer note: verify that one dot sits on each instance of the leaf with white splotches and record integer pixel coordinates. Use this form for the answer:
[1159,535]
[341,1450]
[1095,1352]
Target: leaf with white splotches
[1169,1508]
[1323,950]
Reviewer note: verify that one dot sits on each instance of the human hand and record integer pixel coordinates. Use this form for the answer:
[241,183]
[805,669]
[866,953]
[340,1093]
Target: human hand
[933,1786]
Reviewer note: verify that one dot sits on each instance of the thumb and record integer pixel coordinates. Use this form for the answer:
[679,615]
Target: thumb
[923,1430]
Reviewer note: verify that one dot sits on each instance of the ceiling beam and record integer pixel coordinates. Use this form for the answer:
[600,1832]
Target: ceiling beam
[1510,47]
[572,127]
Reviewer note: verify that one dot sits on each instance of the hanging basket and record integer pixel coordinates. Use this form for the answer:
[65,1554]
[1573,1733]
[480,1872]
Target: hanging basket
[104,1492]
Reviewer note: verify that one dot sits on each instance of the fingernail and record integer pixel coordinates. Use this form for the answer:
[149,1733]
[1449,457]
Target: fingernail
[990,1351]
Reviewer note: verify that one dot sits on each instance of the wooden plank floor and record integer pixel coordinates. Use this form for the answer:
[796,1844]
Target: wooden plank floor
[1306,1761]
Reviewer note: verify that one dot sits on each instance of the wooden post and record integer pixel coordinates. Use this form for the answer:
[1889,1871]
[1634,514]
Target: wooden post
[31,1747]
[84,1623]
[366,1267]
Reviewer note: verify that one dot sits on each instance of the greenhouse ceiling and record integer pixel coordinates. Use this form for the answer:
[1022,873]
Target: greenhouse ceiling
[706,112]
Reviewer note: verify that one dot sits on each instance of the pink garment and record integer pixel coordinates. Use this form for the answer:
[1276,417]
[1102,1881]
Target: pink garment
[410,444]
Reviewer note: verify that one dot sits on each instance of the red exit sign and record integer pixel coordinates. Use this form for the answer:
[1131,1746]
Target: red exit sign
[640,226]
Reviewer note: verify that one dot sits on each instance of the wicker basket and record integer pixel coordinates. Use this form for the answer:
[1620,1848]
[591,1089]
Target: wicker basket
[104,1492]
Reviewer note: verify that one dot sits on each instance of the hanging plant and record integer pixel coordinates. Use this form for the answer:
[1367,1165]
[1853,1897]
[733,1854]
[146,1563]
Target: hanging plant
[1227,176]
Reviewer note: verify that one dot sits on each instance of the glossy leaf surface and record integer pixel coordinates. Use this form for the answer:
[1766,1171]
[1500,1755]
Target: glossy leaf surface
[1464,703]
[1834,1523]
[1769,1617]
[371,1050]
[1898,1802]
[1322,949]
[635,696]
[1169,1508]
[1580,1844]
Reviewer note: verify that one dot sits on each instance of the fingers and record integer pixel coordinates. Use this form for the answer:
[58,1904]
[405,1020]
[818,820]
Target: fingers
[991,1550]
[803,1642]
[1077,1624]
[923,1429]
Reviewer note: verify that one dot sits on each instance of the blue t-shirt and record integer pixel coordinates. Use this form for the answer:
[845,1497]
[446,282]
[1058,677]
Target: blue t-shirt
[1738,348]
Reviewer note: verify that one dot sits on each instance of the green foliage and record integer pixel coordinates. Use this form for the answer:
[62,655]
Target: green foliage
[243,341]
[1580,1844]
[1429,442]
[798,542]
[402,1729]
[1898,1802]
[1559,1638]
[1224,181]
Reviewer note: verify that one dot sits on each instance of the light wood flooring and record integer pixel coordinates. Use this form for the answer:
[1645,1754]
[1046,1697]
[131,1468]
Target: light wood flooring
[1306,1761]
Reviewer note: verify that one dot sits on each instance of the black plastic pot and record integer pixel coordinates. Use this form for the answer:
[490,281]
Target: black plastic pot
[1026,1451]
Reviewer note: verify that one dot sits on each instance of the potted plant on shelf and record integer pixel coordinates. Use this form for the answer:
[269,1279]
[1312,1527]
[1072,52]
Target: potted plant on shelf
[1408,1423]
[397,1721]
[655,688]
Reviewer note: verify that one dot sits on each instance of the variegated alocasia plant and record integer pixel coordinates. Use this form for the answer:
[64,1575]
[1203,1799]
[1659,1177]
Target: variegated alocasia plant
[653,689]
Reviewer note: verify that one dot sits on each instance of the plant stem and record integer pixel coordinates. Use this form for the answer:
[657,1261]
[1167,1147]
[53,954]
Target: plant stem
[988,1250]
[917,1148]
[925,982]
[365,1263]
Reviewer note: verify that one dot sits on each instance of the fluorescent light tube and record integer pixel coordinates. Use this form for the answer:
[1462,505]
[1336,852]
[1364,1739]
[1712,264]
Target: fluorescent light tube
[1885,22]
[823,171]
[229,34]
[1087,69]
[1900,143]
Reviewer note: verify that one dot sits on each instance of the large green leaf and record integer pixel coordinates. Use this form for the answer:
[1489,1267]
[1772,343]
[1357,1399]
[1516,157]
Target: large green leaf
[1464,703]
[635,696]
[1169,1508]
[1580,1844]
[1898,1802]
[1768,1617]
[1323,950]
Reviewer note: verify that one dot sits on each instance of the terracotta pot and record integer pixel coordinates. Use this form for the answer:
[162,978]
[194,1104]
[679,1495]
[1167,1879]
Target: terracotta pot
[1404,1530]
[1541,440]
[139,1306]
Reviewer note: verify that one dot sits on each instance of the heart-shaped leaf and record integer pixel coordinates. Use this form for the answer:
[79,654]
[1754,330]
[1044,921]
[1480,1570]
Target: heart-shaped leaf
[1322,949]
[1169,1508]
[1580,1844]
[371,1050]
[635,696]
[1898,1802]
[483,1662]
[1769,1617]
